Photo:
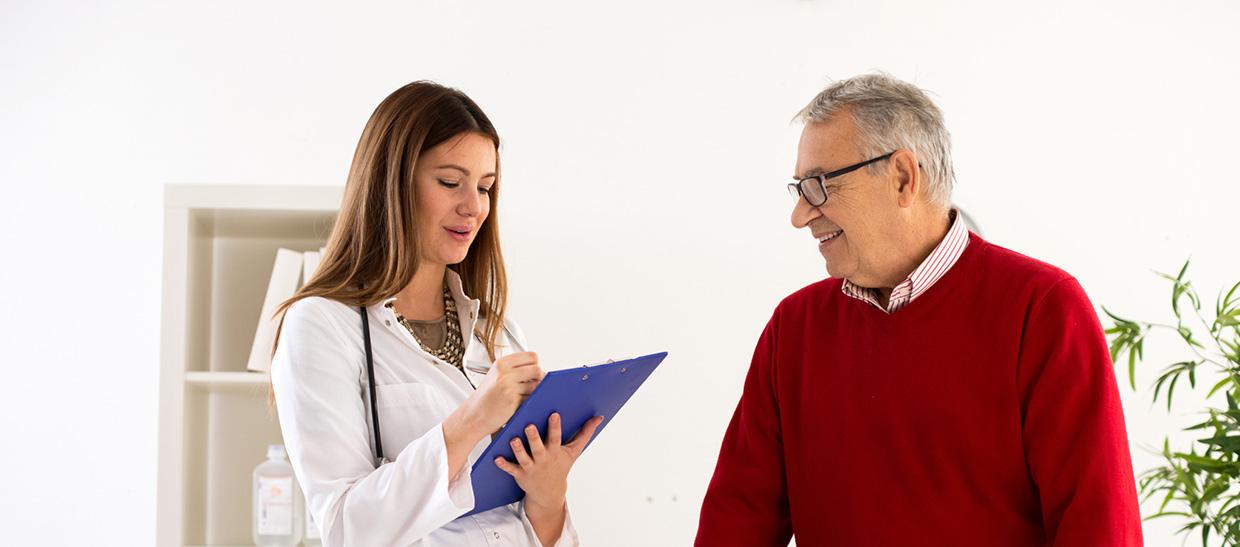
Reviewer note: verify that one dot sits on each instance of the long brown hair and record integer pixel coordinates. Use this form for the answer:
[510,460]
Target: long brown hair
[373,250]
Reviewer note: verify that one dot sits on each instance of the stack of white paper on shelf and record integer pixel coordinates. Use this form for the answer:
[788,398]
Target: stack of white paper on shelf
[286,277]
[311,264]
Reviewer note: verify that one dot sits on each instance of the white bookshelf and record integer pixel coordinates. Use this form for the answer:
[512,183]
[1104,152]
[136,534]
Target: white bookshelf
[214,422]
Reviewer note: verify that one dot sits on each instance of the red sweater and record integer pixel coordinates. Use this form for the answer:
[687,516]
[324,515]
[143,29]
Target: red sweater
[983,413]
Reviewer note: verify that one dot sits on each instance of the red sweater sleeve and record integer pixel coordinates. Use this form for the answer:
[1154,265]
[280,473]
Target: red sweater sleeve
[1073,424]
[747,501]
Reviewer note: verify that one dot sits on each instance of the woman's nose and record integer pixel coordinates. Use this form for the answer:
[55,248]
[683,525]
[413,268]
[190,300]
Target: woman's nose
[471,206]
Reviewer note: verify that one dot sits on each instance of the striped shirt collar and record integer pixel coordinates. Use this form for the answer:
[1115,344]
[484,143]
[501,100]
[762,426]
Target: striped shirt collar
[933,268]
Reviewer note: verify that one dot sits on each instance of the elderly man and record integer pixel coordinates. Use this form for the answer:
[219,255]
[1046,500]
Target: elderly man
[936,389]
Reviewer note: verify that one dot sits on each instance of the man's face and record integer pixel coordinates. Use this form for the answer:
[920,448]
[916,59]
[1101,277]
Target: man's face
[855,229]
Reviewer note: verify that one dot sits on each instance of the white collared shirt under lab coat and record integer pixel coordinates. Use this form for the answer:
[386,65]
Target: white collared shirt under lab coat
[319,378]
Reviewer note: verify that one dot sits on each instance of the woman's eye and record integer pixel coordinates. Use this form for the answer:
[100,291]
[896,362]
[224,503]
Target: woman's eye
[484,191]
[449,183]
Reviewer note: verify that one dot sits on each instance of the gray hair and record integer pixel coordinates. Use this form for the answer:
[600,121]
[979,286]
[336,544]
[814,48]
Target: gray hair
[892,114]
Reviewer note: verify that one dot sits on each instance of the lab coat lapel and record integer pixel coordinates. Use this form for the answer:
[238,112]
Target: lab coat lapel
[467,310]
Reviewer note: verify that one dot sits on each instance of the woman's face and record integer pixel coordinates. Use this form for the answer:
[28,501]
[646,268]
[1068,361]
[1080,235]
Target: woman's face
[453,183]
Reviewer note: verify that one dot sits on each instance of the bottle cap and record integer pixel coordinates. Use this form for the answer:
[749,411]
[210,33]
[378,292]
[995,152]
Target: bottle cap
[275,452]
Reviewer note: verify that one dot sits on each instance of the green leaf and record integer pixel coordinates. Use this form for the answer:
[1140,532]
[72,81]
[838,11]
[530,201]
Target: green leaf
[1218,386]
[1229,443]
[1161,514]
[1233,511]
[1230,293]
[1224,305]
[1171,390]
[1158,385]
[1234,347]
[1117,345]
[1202,425]
[1114,317]
[1187,334]
[1216,487]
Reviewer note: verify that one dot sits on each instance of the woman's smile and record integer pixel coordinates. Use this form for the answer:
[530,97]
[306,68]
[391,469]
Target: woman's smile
[460,233]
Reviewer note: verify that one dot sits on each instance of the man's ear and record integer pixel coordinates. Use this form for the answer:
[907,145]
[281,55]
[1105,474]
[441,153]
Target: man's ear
[908,182]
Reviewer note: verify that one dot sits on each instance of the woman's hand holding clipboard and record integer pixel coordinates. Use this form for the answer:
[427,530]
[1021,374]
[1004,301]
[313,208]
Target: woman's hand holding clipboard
[575,399]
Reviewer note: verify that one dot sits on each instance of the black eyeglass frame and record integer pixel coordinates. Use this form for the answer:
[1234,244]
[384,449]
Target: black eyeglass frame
[797,189]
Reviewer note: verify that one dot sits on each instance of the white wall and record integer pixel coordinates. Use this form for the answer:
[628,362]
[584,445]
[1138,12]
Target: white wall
[647,144]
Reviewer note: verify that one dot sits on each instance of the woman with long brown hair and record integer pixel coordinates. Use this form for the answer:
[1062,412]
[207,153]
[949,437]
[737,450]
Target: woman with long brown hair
[395,363]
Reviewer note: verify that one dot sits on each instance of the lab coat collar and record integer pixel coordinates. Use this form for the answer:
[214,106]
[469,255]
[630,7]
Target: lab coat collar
[467,310]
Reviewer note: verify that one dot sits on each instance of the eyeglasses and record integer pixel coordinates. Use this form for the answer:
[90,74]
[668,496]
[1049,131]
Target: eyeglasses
[814,190]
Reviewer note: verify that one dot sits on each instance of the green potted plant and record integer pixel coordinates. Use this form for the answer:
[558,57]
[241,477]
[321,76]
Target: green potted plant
[1200,485]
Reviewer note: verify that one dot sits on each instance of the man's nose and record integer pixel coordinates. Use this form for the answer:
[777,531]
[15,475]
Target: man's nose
[803,213]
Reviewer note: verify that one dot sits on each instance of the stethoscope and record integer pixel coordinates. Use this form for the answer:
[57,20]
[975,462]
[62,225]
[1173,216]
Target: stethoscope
[477,368]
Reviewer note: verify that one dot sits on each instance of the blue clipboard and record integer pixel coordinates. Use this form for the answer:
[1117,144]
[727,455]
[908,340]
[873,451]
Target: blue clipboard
[578,394]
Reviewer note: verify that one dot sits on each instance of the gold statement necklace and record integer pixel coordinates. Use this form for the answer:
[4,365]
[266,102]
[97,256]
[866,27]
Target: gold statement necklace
[453,349]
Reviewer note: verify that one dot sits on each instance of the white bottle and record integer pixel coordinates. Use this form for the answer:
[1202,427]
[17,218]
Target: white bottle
[311,539]
[277,502]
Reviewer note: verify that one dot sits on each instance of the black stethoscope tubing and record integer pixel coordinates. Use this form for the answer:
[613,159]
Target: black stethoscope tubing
[370,380]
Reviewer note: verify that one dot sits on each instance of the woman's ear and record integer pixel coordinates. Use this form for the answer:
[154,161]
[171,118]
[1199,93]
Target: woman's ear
[908,181]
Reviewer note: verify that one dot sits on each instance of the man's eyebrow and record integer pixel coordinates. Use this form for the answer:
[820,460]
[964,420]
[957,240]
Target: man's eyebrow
[813,172]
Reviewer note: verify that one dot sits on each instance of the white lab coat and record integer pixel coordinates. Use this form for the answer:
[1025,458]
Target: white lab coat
[319,377]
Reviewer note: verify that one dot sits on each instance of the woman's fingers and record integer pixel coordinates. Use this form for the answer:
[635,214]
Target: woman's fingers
[554,434]
[536,444]
[517,360]
[518,449]
[532,373]
[582,438]
[507,467]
